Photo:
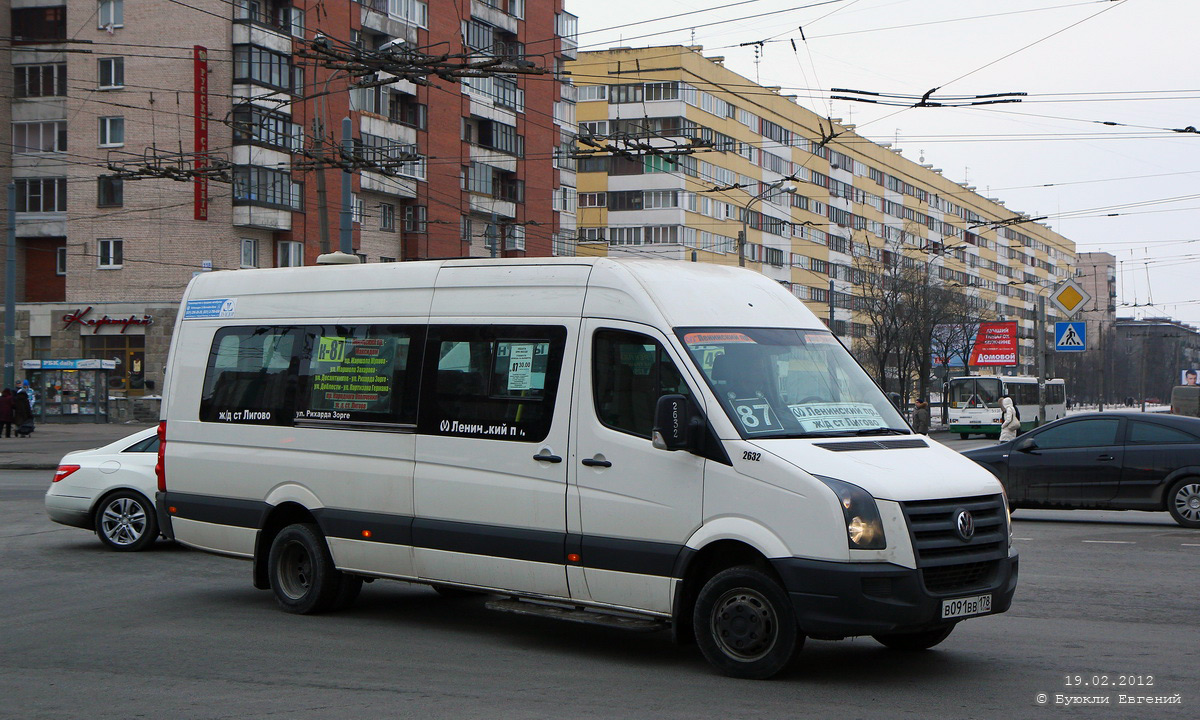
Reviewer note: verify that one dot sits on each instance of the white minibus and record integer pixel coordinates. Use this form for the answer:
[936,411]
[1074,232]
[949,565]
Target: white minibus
[631,442]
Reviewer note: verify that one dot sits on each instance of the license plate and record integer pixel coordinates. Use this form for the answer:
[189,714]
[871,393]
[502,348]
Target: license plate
[964,607]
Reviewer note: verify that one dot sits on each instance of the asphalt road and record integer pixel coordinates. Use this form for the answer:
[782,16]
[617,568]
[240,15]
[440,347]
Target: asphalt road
[173,633]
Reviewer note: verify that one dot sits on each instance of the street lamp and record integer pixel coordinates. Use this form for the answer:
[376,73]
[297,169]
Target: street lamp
[742,236]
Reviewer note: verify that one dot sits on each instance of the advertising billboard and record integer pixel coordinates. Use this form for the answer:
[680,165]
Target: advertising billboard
[995,344]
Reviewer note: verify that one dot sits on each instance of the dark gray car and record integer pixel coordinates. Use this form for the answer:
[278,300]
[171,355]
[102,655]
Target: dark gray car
[1103,461]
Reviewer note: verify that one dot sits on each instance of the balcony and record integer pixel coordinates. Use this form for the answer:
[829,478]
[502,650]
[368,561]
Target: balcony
[490,12]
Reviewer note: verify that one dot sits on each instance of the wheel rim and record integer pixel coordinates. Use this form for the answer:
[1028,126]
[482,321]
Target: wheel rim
[1187,502]
[744,624]
[123,521]
[295,571]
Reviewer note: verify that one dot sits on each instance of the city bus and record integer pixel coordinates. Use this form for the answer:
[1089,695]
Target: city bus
[974,402]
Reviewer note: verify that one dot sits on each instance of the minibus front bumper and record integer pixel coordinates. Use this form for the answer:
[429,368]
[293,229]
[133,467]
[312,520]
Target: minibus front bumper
[834,600]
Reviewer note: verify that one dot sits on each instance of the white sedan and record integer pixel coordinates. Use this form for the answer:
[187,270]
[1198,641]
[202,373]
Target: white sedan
[110,490]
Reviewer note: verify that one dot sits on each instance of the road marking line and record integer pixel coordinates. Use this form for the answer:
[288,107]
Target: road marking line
[1190,544]
[1016,538]
[1111,542]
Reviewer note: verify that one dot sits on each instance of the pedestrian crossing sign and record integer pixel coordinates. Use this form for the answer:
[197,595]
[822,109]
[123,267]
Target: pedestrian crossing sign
[1070,336]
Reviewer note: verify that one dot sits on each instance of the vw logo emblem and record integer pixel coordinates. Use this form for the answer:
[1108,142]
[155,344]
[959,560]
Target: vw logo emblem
[964,523]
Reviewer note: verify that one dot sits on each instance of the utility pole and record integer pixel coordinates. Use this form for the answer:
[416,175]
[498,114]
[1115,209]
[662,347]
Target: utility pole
[10,292]
[345,235]
[1039,343]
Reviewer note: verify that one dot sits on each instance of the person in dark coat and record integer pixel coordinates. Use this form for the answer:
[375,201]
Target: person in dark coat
[6,412]
[22,411]
[921,417]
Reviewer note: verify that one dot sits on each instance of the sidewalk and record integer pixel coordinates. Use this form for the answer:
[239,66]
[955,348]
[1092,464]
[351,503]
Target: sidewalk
[43,449]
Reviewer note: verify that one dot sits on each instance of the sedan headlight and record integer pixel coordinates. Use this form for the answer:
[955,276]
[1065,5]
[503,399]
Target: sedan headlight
[864,528]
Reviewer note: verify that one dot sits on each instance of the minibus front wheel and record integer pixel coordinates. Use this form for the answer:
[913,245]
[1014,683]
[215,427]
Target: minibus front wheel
[302,573]
[745,625]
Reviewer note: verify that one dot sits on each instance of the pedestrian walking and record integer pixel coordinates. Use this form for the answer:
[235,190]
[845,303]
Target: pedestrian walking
[6,412]
[1010,419]
[921,417]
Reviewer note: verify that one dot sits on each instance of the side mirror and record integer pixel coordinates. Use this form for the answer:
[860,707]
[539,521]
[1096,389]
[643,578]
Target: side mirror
[894,399]
[673,422]
[1026,445]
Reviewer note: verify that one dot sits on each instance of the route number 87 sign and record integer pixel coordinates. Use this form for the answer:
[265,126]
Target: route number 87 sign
[755,415]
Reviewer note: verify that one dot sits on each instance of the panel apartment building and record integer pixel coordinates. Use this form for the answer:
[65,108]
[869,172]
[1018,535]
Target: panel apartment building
[814,198]
[448,169]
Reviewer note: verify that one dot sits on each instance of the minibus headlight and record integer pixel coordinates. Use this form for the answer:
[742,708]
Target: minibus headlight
[864,528]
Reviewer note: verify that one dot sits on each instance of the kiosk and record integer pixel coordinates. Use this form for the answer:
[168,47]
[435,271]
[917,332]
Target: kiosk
[69,390]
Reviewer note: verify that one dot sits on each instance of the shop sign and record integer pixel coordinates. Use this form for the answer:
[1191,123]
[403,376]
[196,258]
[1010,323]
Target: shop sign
[80,317]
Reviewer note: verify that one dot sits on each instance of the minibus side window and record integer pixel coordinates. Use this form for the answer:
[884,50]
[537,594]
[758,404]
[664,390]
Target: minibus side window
[359,374]
[630,371]
[491,381]
[251,377]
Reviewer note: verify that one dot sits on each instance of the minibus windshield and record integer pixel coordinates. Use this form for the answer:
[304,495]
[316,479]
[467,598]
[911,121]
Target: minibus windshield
[777,383]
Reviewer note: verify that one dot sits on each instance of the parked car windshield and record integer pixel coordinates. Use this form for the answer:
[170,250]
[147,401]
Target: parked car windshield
[790,383]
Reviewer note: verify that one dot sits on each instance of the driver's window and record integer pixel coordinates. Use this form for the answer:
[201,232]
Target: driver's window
[630,371]
[1081,433]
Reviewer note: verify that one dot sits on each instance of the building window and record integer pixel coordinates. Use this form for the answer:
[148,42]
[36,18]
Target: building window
[264,67]
[40,137]
[386,259]
[112,131]
[110,253]
[40,80]
[253,124]
[289,253]
[111,14]
[414,218]
[265,187]
[37,25]
[110,191]
[357,210]
[39,348]
[405,110]
[112,73]
[387,217]
[41,195]
[60,260]
[249,253]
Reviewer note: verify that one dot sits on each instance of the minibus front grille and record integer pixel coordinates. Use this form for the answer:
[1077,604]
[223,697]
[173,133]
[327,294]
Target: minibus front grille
[958,578]
[935,537]
[856,445]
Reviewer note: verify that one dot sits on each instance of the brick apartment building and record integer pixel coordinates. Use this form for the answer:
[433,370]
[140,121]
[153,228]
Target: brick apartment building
[449,169]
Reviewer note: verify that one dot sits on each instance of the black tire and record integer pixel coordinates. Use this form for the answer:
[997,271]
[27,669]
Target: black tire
[301,570]
[1183,502]
[125,521]
[964,436]
[915,641]
[745,624]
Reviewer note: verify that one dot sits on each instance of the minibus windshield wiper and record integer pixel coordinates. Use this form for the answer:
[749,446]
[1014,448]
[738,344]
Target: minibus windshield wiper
[882,431]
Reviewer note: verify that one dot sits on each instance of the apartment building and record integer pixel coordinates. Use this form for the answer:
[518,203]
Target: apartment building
[742,174]
[155,140]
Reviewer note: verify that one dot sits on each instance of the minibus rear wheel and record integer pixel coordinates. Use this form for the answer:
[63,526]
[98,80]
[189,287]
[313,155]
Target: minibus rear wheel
[745,624]
[301,571]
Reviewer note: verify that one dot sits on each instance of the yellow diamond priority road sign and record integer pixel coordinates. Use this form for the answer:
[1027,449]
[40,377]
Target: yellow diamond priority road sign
[1069,297]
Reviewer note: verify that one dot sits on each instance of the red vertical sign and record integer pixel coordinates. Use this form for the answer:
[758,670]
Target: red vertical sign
[200,103]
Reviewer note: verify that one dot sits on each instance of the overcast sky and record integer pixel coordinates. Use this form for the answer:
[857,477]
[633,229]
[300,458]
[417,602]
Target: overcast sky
[1082,63]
